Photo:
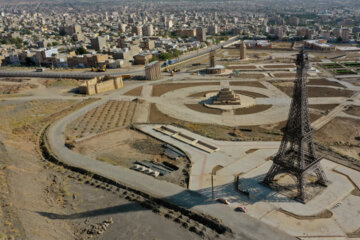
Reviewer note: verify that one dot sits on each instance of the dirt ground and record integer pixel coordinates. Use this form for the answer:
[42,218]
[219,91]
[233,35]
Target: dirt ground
[161,89]
[285,75]
[15,88]
[247,84]
[279,66]
[237,67]
[42,201]
[253,109]
[24,177]
[250,75]
[250,94]
[353,110]
[323,107]
[287,87]
[60,82]
[125,146]
[323,81]
[134,92]
[341,134]
[204,109]
[111,115]
[354,81]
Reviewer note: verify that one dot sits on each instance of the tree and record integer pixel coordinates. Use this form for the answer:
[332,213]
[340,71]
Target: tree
[81,50]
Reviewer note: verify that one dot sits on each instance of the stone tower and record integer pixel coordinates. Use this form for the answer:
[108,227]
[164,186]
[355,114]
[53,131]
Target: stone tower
[296,154]
[243,51]
[212,58]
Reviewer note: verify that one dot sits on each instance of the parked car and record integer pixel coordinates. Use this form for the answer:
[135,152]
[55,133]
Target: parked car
[223,200]
[241,209]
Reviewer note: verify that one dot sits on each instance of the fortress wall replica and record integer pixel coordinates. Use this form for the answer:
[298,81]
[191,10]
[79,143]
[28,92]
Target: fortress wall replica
[101,84]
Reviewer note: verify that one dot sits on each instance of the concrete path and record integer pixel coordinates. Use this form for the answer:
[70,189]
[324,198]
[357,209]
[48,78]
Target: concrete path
[244,227]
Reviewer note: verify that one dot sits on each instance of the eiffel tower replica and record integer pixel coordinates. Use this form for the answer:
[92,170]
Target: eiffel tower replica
[296,154]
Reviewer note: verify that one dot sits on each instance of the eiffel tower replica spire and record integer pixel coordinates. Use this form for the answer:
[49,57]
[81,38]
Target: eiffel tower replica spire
[296,154]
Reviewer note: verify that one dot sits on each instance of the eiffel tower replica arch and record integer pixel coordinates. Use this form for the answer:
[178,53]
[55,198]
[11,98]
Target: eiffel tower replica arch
[296,154]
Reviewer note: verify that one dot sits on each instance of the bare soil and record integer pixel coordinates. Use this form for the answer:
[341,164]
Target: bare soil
[134,92]
[250,94]
[161,89]
[253,109]
[323,107]
[354,81]
[42,201]
[316,91]
[204,109]
[247,84]
[279,66]
[247,67]
[353,110]
[323,81]
[111,115]
[251,75]
[18,80]
[341,134]
[15,88]
[284,75]
[125,146]
[24,177]
[60,82]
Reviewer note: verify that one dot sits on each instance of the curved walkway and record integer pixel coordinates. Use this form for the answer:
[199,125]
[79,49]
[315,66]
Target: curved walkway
[244,227]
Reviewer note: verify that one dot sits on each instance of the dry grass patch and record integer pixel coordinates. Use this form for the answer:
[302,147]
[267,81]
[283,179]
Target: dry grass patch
[250,94]
[284,75]
[134,92]
[111,115]
[161,89]
[251,110]
[247,84]
[353,110]
[204,109]
[317,91]
[7,89]
[60,82]
[323,81]
[341,134]
[251,75]
[279,66]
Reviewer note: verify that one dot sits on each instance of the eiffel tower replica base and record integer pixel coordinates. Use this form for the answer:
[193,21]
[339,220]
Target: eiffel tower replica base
[296,155]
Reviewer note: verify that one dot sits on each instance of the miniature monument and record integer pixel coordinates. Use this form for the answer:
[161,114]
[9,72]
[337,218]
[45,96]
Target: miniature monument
[297,152]
[226,97]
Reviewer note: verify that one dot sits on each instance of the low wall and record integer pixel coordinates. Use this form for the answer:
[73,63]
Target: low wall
[95,85]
